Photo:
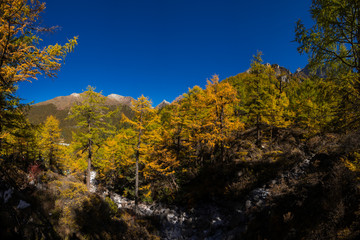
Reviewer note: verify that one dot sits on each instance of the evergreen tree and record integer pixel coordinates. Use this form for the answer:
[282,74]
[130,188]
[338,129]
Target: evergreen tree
[91,116]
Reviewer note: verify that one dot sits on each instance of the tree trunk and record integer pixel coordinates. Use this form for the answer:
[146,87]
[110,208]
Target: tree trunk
[137,167]
[258,130]
[89,160]
[89,166]
[0,138]
[137,179]
[51,160]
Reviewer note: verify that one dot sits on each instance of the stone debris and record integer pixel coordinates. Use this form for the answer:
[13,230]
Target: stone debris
[8,195]
[92,181]
[22,205]
[208,221]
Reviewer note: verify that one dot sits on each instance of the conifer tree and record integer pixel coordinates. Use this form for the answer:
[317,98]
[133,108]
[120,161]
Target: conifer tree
[117,157]
[50,139]
[258,95]
[334,38]
[313,102]
[11,112]
[21,58]
[91,116]
[145,124]
[177,122]
[193,106]
[219,101]
[265,102]
[21,142]
[332,44]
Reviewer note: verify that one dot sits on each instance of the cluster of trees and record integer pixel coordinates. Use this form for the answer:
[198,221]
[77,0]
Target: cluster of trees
[150,154]
[22,59]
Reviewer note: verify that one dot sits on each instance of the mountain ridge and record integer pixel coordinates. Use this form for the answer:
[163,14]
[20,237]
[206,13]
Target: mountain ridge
[65,102]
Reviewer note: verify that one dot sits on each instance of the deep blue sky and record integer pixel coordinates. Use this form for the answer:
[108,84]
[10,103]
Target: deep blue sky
[160,48]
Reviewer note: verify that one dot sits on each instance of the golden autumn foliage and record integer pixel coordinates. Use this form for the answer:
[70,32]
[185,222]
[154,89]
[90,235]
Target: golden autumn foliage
[221,125]
[74,161]
[20,57]
[91,116]
[205,120]
[50,142]
[145,125]
[116,156]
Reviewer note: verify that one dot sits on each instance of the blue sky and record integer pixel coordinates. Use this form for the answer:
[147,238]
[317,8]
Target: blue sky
[160,48]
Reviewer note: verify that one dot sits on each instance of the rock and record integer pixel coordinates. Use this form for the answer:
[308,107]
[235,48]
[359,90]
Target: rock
[259,203]
[8,195]
[22,205]
[92,181]
[247,204]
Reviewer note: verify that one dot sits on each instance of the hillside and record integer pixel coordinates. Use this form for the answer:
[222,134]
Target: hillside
[60,106]
[291,181]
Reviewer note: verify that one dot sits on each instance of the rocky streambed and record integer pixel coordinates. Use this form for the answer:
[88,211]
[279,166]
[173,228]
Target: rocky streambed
[213,220]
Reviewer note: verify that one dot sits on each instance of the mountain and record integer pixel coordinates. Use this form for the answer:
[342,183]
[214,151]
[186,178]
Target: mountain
[163,104]
[65,102]
[60,106]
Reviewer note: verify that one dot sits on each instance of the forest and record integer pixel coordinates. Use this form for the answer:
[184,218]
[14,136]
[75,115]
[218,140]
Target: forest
[273,155]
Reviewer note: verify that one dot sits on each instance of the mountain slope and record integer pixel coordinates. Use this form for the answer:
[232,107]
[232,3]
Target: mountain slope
[60,106]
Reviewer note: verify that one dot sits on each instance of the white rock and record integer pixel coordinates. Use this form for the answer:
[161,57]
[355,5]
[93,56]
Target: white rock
[22,204]
[117,199]
[248,204]
[92,181]
[8,194]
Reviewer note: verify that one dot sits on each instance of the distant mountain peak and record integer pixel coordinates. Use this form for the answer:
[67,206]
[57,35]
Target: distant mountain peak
[115,96]
[75,95]
[164,103]
[65,102]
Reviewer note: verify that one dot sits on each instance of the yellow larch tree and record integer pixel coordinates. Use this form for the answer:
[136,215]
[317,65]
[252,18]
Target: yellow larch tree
[116,156]
[210,122]
[145,123]
[91,115]
[221,125]
[20,57]
[50,142]
[265,103]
